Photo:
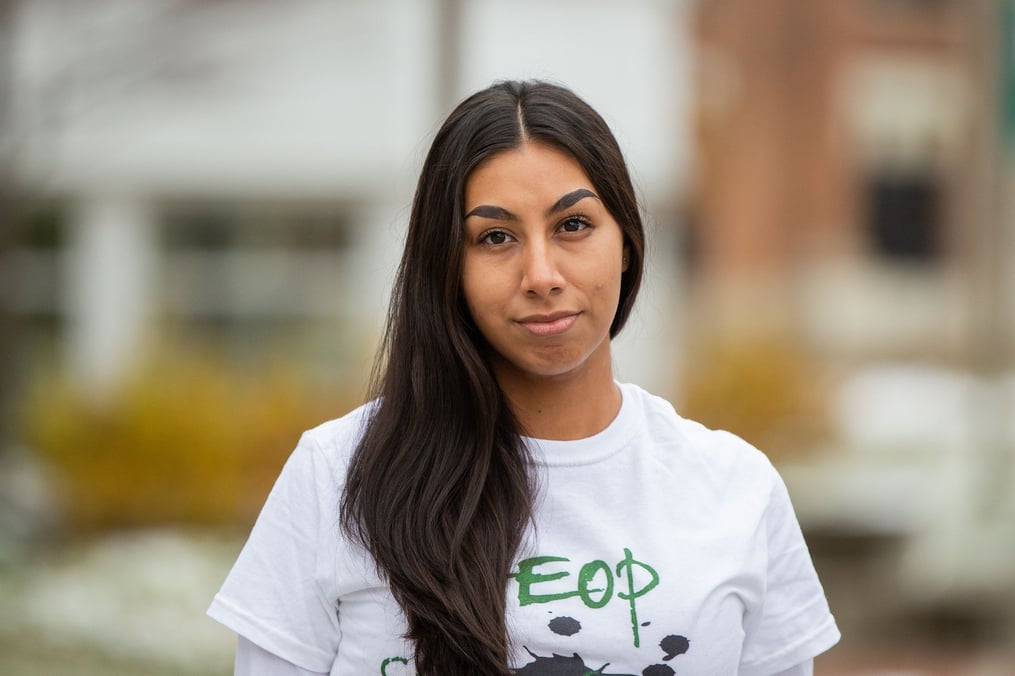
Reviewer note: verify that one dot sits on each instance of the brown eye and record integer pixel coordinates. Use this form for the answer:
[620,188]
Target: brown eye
[495,237]
[574,224]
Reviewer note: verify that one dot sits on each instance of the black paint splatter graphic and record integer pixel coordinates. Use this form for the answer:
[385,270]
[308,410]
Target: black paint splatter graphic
[673,646]
[559,665]
[658,670]
[565,626]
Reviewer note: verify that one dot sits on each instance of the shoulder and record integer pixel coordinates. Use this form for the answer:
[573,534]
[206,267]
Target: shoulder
[714,456]
[336,439]
[321,458]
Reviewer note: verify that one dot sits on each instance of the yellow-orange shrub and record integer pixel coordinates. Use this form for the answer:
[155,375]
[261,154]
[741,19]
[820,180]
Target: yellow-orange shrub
[185,440]
[766,389]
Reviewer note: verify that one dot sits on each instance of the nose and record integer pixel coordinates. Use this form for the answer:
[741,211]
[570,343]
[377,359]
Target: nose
[541,275]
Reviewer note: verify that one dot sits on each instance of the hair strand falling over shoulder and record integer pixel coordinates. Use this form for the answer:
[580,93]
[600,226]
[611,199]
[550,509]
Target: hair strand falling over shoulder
[440,490]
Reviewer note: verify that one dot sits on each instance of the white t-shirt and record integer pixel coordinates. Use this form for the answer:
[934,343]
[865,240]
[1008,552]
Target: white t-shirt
[660,547]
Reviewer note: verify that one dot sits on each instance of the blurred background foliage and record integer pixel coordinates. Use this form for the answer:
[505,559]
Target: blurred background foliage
[186,439]
[769,388]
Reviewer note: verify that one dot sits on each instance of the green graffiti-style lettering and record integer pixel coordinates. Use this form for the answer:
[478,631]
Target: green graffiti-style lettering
[526,577]
[592,595]
[586,575]
[385,663]
[629,563]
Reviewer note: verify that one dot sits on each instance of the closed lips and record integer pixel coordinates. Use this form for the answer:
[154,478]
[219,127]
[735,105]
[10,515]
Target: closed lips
[549,325]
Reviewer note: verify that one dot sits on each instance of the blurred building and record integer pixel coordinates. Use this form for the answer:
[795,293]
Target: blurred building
[850,198]
[240,172]
[840,170]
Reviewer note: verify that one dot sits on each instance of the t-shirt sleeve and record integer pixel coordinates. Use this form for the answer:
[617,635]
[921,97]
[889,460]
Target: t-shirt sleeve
[253,660]
[793,623]
[276,595]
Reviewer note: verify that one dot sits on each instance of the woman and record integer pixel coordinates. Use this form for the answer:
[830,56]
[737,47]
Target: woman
[503,506]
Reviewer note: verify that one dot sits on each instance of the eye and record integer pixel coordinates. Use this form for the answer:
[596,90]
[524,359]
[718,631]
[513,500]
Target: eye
[494,237]
[574,224]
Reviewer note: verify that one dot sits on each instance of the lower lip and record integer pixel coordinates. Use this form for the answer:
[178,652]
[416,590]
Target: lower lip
[554,328]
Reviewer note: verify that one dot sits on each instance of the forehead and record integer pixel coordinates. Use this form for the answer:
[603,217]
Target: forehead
[531,170]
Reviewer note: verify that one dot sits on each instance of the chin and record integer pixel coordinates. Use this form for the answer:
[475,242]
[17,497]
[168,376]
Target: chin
[557,369]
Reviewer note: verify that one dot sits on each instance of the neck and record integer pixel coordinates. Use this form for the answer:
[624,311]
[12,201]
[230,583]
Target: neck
[564,407]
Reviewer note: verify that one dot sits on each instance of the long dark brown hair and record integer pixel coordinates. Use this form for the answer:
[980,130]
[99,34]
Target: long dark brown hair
[439,489]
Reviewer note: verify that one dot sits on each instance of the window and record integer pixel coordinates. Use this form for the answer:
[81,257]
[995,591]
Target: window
[904,216]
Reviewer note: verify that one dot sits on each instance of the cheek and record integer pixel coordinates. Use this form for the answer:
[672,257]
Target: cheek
[470,302]
[467,284]
[608,283]
[480,295]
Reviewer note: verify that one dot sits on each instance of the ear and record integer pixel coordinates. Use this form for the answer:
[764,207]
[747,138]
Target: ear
[626,260]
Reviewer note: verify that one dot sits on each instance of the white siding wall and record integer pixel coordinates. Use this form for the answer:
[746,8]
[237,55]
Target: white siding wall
[313,99]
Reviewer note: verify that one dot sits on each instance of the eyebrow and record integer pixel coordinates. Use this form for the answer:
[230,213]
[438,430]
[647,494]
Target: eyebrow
[502,214]
[570,199]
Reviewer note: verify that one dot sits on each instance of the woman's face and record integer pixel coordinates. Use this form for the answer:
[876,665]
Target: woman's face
[542,263]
